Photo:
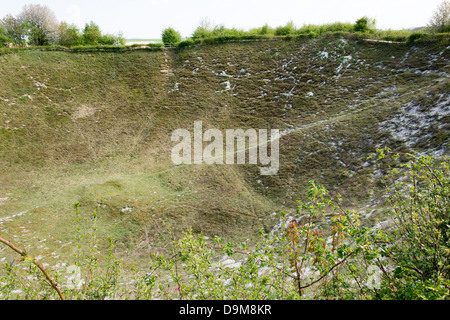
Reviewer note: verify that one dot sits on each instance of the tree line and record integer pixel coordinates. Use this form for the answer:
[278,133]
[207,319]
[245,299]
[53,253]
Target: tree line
[438,23]
[37,25]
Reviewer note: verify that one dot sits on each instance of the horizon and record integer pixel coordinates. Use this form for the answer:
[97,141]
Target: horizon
[140,19]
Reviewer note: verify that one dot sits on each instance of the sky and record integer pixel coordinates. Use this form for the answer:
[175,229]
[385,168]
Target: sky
[145,19]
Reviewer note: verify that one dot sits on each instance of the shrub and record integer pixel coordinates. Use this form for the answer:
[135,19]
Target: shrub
[201,33]
[338,27]
[393,35]
[405,257]
[440,21]
[170,36]
[14,29]
[311,35]
[155,45]
[321,29]
[288,29]
[68,35]
[107,39]
[91,34]
[111,40]
[321,252]
[4,37]
[416,244]
[265,30]
[221,31]
[36,35]
[364,25]
[205,31]
[186,43]
[416,35]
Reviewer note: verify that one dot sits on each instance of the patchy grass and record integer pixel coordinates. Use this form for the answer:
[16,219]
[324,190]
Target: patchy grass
[95,127]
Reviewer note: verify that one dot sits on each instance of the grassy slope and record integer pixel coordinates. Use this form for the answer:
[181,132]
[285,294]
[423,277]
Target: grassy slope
[95,128]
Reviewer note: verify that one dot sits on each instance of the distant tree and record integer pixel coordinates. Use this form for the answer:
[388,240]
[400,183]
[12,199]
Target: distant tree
[440,21]
[92,34]
[364,24]
[68,35]
[4,37]
[40,24]
[170,36]
[14,29]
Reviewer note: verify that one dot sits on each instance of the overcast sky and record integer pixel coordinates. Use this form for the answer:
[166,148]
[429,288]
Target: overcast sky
[147,18]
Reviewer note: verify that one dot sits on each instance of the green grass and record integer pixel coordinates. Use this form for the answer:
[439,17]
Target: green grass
[94,127]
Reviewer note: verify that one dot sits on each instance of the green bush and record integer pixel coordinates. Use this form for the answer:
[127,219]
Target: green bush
[264,30]
[321,29]
[338,27]
[440,21]
[201,33]
[416,36]
[186,43]
[112,40]
[405,257]
[416,246]
[170,36]
[36,35]
[392,35]
[364,25]
[69,35]
[204,32]
[14,29]
[4,37]
[107,39]
[91,34]
[288,29]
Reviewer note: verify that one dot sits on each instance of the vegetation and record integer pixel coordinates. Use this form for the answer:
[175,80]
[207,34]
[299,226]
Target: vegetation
[440,21]
[37,25]
[364,28]
[91,34]
[69,35]
[4,37]
[91,125]
[38,137]
[404,258]
[170,36]
[15,29]
[288,29]
[364,25]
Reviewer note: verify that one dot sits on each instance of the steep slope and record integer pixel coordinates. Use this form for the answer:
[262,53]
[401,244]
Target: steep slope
[96,128]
